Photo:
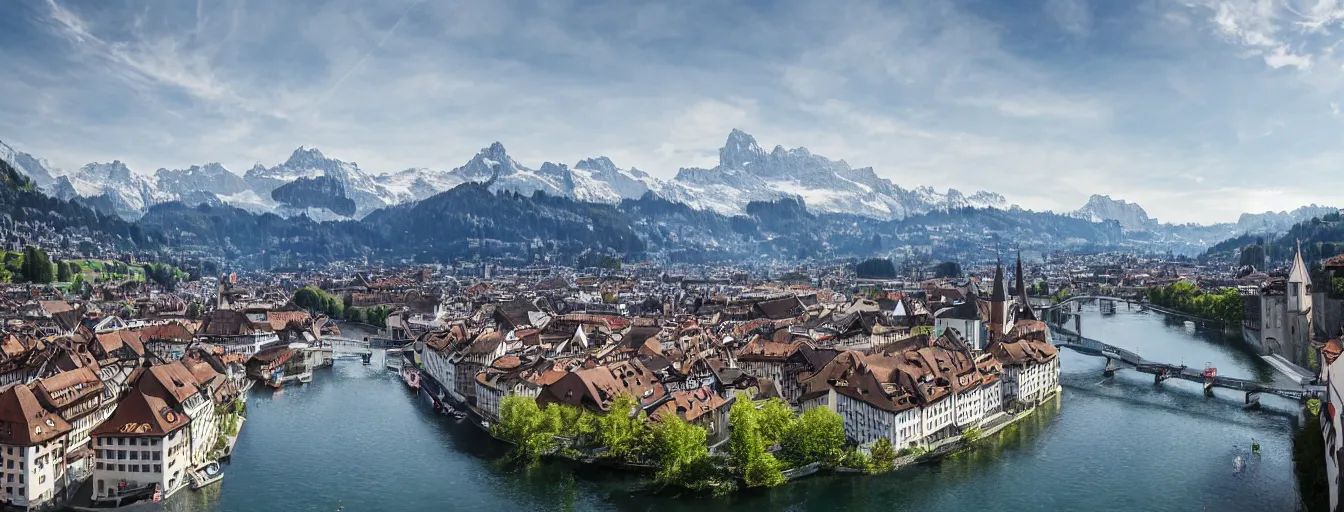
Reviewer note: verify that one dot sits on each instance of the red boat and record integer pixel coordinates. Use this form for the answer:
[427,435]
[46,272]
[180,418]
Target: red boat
[1210,372]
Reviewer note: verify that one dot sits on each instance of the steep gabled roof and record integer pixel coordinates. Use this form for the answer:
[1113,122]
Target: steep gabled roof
[23,421]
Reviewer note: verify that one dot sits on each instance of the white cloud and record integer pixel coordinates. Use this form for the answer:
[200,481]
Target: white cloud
[1162,103]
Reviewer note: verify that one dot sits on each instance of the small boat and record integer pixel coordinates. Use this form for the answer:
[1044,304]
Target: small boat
[206,475]
[146,498]
[306,378]
[459,416]
[1237,464]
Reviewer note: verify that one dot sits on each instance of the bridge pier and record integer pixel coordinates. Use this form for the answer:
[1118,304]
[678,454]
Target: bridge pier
[1208,387]
[1160,376]
[1078,322]
[1252,400]
[1111,367]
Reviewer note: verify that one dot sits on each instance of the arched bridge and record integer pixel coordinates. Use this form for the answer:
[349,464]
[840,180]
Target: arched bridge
[1116,356]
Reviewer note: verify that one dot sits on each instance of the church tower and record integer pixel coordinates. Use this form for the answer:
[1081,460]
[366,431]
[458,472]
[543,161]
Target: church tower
[1298,311]
[998,304]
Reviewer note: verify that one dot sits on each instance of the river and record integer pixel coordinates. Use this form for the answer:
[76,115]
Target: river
[356,437]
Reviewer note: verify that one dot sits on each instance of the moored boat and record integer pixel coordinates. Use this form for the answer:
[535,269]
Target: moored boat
[206,475]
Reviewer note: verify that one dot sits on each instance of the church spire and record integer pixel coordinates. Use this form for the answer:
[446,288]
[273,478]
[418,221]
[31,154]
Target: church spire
[1298,273]
[998,294]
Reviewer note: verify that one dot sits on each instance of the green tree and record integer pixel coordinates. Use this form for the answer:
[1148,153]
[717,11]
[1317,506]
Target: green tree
[773,418]
[36,267]
[530,429]
[746,447]
[681,453]
[623,429]
[817,436]
[194,310]
[856,459]
[62,272]
[947,269]
[884,455]
[355,315]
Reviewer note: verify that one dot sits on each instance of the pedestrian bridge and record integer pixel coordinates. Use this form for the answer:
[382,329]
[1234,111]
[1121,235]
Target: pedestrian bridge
[1117,357]
[340,345]
[1088,298]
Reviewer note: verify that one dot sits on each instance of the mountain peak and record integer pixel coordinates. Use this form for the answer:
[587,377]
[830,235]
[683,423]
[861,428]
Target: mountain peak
[740,150]
[304,156]
[600,164]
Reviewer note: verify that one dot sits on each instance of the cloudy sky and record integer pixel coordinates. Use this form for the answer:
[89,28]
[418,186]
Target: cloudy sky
[1196,109]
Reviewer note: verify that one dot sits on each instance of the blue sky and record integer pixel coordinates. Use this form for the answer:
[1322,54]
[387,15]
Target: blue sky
[1197,109]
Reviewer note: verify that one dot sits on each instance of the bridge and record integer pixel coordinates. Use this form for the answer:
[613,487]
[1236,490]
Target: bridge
[340,345]
[1088,298]
[1116,357]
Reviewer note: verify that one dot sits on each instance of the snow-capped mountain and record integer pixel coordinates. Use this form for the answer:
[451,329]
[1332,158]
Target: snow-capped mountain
[211,177]
[36,169]
[747,173]
[311,163]
[1131,216]
[129,194]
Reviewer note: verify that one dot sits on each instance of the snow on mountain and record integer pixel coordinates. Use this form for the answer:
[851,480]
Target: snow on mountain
[36,169]
[415,184]
[129,194]
[1131,216]
[747,173]
[367,193]
[211,177]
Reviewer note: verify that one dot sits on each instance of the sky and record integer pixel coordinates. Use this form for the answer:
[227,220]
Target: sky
[1198,110]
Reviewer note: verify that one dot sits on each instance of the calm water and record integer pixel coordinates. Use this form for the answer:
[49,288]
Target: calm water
[356,437]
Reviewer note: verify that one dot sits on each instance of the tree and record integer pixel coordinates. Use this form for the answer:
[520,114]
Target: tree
[880,268]
[530,429]
[62,272]
[194,310]
[680,449]
[817,436]
[36,267]
[947,269]
[773,418]
[884,455]
[746,447]
[623,429]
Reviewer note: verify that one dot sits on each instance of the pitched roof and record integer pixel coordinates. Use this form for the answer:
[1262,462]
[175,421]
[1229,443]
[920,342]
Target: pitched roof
[23,421]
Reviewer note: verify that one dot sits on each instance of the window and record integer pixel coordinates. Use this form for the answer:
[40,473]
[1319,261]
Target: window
[158,468]
[97,465]
[135,468]
[156,455]
[135,455]
[121,440]
[121,454]
[144,441]
[144,468]
[121,467]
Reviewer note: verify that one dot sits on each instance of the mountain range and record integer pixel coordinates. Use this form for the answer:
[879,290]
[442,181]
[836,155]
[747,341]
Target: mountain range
[321,188]
[745,173]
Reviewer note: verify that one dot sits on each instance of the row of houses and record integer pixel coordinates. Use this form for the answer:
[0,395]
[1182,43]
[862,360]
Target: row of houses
[894,366]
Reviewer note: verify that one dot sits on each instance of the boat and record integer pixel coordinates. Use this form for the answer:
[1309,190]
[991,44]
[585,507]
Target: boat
[206,475]
[306,378]
[145,498]
[459,416]
[411,376]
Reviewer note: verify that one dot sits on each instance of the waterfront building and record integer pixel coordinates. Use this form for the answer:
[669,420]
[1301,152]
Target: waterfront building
[1332,415]
[32,450]
[78,397]
[1030,364]
[149,439]
[1286,321]
[238,332]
